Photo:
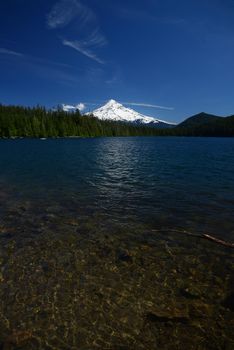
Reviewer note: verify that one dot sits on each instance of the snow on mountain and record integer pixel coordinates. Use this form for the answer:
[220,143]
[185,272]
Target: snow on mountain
[115,111]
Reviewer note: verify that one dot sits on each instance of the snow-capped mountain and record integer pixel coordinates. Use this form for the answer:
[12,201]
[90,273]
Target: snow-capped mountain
[115,111]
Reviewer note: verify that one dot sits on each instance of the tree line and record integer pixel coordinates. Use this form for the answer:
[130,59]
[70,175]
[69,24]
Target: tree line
[18,121]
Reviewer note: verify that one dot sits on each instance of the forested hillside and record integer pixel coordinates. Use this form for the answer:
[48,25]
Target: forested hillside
[38,122]
[206,125]
[17,121]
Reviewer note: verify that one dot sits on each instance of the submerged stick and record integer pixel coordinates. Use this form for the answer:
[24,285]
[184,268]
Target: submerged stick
[204,236]
[217,240]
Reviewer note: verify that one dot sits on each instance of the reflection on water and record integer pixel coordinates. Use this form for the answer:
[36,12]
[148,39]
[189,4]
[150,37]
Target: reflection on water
[87,258]
[158,181]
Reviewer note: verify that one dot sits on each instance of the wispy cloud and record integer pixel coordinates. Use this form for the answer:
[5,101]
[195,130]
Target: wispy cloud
[133,104]
[32,59]
[42,67]
[95,39]
[65,11]
[148,105]
[84,47]
[10,52]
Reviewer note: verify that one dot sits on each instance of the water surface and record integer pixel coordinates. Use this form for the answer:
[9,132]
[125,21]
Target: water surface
[178,181]
[89,258]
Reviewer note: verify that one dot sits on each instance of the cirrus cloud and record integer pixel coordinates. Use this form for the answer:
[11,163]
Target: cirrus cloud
[64,11]
[93,41]
[148,105]
[10,52]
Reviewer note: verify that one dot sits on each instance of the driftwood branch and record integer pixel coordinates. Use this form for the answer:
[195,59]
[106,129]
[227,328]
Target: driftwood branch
[204,236]
[219,241]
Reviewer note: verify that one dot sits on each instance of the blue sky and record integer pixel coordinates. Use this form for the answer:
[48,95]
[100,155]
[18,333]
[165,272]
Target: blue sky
[177,54]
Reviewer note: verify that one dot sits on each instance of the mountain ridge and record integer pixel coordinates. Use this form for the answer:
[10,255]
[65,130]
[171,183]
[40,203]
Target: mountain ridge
[199,119]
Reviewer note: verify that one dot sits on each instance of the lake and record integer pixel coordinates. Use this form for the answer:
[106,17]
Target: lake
[93,251]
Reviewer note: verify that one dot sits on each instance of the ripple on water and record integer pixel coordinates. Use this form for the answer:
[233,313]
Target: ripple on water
[87,256]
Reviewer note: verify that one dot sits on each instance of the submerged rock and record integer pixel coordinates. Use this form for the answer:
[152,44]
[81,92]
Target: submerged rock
[189,293]
[229,302]
[124,256]
[167,317]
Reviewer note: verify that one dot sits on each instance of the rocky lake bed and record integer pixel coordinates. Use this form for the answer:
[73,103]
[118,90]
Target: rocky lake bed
[70,281]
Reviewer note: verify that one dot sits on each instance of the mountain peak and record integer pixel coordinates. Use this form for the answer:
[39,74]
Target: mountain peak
[115,111]
[112,103]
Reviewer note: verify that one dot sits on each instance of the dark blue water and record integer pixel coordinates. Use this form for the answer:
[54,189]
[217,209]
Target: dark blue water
[158,182]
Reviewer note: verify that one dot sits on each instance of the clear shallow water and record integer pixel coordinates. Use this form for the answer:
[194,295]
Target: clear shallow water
[87,256]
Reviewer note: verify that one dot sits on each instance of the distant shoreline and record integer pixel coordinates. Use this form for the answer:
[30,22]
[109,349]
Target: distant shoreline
[107,136]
